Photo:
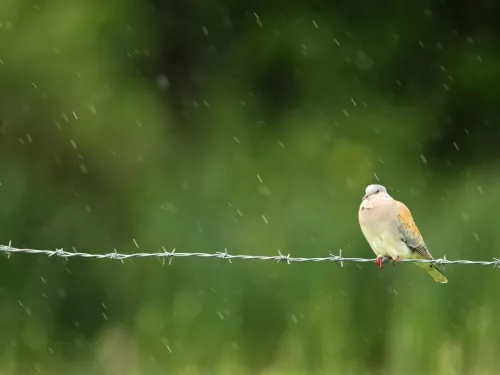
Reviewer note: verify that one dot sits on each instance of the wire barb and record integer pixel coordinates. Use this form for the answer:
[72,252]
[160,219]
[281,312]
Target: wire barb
[283,258]
[115,255]
[169,255]
[59,253]
[7,251]
[337,258]
[225,255]
[441,262]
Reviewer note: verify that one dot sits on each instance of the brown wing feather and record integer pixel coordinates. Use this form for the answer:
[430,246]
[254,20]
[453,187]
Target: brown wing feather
[411,236]
[410,233]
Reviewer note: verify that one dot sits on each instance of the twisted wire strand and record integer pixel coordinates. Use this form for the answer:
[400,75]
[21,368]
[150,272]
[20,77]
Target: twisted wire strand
[279,258]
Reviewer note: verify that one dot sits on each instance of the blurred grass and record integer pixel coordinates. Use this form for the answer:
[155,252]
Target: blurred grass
[100,146]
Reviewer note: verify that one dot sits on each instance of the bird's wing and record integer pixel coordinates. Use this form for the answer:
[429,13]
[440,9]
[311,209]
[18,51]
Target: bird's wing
[409,232]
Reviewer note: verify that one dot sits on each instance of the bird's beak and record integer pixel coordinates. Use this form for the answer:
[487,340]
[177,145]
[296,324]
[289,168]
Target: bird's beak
[364,197]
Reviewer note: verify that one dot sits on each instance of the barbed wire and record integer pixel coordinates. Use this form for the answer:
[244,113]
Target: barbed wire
[279,258]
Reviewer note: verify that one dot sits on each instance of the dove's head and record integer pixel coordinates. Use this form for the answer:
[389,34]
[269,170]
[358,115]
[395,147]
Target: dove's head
[373,190]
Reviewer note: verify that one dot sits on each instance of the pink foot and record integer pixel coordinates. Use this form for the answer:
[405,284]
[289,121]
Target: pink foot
[398,259]
[379,262]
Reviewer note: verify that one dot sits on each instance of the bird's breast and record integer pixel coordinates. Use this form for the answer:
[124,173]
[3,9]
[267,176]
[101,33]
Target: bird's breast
[376,223]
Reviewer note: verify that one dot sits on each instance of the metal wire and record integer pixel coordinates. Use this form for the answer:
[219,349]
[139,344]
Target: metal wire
[279,258]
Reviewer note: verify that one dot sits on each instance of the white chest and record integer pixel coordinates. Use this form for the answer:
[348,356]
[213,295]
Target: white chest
[383,238]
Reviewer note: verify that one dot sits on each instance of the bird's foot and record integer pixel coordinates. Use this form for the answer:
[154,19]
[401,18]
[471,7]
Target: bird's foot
[398,259]
[379,261]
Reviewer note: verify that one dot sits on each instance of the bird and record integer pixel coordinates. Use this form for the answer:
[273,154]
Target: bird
[388,226]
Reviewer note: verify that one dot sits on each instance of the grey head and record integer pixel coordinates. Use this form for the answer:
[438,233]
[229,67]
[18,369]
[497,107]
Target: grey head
[374,189]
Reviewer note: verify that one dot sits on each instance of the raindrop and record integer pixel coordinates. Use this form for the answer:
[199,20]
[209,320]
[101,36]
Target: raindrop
[162,82]
[257,19]
[83,168]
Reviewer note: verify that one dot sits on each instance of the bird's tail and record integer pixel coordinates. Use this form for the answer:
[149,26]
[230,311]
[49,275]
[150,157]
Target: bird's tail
[434,271]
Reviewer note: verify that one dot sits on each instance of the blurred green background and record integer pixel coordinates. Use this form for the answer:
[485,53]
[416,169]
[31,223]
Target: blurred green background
[251,126]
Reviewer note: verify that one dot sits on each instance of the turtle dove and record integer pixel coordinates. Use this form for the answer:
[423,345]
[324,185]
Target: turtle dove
[391,232]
